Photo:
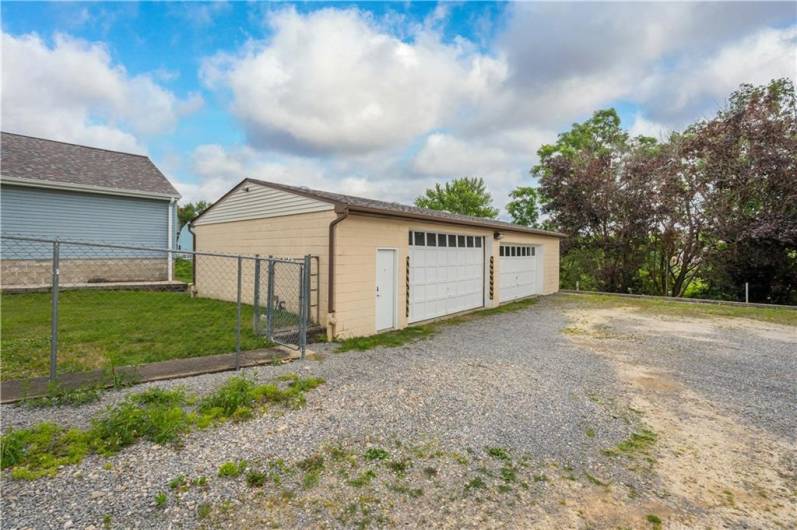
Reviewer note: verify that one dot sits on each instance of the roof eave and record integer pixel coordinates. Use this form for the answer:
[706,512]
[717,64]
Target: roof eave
[67,186]
[459,222]
[341,206]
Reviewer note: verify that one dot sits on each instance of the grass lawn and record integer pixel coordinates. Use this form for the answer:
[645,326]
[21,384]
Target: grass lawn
[391,339]
[777,315]
[99,329]
[184,270]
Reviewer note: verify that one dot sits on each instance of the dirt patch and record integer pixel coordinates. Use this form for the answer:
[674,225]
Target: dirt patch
[716,470]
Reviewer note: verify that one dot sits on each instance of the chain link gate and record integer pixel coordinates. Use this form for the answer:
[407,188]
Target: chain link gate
[283,300]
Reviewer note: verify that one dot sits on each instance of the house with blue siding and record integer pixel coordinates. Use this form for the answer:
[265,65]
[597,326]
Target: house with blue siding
[51,189]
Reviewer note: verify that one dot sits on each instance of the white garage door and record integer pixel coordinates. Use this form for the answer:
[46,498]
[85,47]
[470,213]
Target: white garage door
[518,271]
[446,274]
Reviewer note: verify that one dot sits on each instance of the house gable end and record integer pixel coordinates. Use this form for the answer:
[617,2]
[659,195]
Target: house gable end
[250,200]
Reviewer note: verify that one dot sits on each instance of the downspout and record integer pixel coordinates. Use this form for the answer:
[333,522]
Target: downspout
[170,244]
[193,256]
[343,213]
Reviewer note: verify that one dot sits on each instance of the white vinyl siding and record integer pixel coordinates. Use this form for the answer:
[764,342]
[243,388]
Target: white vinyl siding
[518,268]
[259,202]
[446,274]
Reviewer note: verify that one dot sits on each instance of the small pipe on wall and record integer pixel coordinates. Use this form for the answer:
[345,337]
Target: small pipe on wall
[343,213]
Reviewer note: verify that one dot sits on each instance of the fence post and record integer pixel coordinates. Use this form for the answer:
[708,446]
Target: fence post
[270,299]
[305,303]
[238,319]
[746,292]
[577,286]
[54,316]
[256,301]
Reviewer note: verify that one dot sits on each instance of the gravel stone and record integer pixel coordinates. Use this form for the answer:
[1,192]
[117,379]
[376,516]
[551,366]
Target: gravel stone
[512,380]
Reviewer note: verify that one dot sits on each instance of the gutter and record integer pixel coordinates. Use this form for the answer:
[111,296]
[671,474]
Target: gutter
[190,226]
[343,213]
[87,188]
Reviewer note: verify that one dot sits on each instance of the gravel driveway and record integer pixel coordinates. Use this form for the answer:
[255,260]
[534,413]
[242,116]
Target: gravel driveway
[552,401]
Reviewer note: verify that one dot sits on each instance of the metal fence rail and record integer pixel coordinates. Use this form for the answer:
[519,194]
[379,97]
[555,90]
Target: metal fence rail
[78,305]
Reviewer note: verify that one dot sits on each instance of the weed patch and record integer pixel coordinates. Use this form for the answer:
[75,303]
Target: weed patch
[40,450]
[363,479]
[160,499]
[595,480]
[178,483]
[638,442]
[399,467]
[232,469]
[654,520]
[161,416]
[475,484]
[508,474]
[376,453]
[499,453]
[255,479]
[57,396]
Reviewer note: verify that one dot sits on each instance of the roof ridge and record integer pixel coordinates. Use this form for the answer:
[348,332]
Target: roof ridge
[76,145]
[401,207]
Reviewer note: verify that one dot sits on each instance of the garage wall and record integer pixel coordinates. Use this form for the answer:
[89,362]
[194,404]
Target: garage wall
[357,240]
[291,236]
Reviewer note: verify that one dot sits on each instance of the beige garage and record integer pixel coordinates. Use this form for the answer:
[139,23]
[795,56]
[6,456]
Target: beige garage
[383,265]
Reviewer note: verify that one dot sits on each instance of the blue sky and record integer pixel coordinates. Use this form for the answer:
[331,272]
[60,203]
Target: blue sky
[378,99]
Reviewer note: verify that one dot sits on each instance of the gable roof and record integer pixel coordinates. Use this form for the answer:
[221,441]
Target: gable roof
[41,162]
[394,209]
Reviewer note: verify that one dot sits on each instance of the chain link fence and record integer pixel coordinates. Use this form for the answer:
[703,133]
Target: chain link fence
[75,306]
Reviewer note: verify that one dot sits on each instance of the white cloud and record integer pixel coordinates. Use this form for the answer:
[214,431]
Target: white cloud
[645,127]
[694,87]
[443,154]
[333,81]
[74,92]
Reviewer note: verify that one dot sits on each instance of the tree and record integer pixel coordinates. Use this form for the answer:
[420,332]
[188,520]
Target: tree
[710,209]
[524,206]
[748,156]
[595,186]
[467,196]
[188,211]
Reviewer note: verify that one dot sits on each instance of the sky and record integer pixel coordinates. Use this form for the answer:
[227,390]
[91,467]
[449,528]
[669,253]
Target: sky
[374,99]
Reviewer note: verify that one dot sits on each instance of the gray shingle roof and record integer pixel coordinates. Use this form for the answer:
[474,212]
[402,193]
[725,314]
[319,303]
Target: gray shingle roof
[38,159]
[403,210]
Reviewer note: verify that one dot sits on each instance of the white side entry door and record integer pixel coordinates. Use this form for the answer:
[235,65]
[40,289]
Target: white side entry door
[385,289]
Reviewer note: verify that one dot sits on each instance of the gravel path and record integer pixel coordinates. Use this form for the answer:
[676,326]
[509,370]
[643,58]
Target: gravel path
[513,381]
[509,380]
[747,368]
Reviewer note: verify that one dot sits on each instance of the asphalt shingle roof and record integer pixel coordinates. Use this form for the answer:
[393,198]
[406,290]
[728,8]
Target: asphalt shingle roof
[403,210]
[32,159]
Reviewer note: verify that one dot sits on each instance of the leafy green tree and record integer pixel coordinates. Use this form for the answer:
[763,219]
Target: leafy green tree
[524,206]
[190,210]
[467,196]
[595,186]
